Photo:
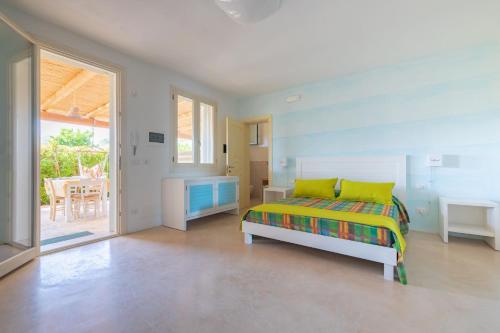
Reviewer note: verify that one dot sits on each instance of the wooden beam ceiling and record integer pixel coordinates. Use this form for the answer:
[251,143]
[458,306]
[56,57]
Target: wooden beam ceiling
[51,116]
[69,87]
[98,110]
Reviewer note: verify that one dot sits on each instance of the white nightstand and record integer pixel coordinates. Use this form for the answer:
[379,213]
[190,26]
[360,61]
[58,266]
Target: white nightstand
[470,217]
[274,193]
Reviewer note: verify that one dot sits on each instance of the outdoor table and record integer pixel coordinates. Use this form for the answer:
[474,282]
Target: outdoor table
[62,188]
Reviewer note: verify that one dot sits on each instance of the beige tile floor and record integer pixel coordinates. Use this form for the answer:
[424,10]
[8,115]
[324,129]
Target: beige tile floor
[207,280]
[98,226]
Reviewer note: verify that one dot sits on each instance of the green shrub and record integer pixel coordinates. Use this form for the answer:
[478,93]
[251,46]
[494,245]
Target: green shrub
[59,158]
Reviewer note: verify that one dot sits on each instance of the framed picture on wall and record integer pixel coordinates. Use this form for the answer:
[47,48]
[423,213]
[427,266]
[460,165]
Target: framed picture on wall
[254,134]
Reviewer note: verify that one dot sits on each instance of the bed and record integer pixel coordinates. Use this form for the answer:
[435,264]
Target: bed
[364,230]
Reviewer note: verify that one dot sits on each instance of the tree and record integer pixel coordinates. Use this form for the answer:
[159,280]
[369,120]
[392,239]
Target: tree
[71,138]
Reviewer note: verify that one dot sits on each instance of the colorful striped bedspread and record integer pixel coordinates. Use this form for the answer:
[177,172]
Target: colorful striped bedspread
[340,229]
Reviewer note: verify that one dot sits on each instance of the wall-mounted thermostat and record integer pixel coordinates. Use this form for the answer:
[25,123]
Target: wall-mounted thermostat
[156,137]
[435,160]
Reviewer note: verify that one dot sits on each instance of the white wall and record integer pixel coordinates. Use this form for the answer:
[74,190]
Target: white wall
[149,109]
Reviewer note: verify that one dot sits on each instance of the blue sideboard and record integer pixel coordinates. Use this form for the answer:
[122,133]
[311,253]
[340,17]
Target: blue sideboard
[184,199]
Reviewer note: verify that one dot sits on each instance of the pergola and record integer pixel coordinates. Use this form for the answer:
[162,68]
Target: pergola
[64,86]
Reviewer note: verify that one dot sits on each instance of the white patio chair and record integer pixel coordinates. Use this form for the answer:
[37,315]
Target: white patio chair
[91,191]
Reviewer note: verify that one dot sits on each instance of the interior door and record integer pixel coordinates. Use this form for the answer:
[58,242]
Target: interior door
[18,241]
[237,159]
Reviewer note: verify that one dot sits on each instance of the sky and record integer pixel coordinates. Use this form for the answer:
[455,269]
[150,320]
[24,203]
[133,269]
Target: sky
[52,128]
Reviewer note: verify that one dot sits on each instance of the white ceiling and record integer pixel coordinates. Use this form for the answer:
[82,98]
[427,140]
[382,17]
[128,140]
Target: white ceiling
[305,41]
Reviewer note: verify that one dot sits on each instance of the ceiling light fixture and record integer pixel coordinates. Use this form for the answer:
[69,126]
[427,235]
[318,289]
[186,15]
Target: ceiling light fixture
[74,111]
[248,11]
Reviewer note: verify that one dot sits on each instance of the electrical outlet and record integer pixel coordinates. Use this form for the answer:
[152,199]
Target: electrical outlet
[422,211]
[421,187]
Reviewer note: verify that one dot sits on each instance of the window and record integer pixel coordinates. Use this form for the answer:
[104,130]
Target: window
[185,130]
[206,133]
[194,130]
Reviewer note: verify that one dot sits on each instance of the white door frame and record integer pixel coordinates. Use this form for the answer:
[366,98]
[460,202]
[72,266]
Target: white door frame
[119,123]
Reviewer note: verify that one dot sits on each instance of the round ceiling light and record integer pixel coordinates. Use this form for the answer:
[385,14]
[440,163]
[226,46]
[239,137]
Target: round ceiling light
[74,112]
[248,11]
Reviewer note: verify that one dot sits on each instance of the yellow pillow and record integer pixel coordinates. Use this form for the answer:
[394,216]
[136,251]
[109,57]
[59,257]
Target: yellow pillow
[366,192]
[315,188]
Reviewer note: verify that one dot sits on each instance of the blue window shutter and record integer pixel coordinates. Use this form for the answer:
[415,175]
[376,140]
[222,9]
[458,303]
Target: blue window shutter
[201,197]
[227,193]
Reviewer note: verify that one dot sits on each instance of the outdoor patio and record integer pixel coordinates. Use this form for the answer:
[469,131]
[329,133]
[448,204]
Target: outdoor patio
[61,233]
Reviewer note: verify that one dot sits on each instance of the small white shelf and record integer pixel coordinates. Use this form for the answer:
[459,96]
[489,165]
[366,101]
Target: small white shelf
[470,203]
[468,229]
[470,217]
[274,193]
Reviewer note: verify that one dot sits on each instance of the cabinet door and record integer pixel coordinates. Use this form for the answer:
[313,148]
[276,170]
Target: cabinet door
[227,193]
[200,198]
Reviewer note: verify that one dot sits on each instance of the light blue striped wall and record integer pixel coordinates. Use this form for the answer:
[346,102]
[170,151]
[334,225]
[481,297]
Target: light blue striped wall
[447,104]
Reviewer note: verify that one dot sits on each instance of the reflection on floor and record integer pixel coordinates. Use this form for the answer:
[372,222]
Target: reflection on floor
[208,280]
[59,233]
[7,251]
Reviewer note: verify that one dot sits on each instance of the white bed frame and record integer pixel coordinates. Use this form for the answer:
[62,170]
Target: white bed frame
[374,169]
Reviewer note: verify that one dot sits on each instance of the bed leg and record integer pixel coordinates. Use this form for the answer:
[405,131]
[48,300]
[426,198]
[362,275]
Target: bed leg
[388,272]
[248,238]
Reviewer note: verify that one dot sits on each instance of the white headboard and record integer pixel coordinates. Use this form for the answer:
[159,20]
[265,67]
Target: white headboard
[357,168]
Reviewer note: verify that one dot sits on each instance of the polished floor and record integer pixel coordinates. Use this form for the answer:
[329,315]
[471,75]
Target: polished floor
[207,280]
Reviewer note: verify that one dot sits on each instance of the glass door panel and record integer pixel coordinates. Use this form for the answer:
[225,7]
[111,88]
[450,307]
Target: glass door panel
[17,192]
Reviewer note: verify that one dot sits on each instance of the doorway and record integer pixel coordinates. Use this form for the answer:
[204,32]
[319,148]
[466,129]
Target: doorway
[258,160]
[78,152]
[249,156]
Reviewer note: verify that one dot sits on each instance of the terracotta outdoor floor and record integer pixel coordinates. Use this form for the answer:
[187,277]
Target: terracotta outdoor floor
[98,226]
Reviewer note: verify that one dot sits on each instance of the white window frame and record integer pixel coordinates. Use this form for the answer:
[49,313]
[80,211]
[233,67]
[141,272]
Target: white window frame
[197,100]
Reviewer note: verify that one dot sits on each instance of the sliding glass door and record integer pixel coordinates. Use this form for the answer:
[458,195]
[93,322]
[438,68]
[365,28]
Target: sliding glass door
[17,191]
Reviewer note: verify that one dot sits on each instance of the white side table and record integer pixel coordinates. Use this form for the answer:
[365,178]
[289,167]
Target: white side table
[274,193]
[470,217]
